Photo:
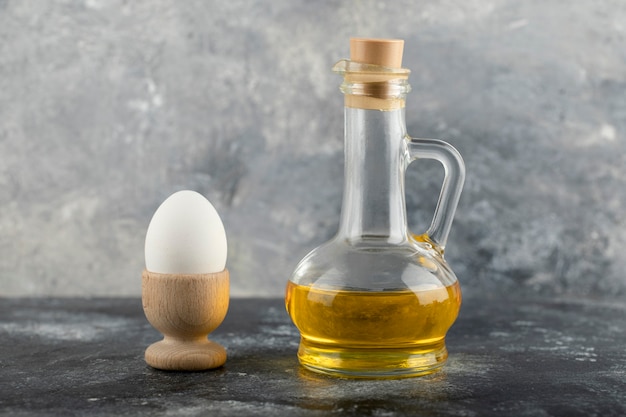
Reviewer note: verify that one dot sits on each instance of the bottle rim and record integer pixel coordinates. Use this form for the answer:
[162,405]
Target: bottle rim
[372,80]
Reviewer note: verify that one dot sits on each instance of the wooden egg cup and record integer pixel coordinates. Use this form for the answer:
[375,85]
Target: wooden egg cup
[185,308]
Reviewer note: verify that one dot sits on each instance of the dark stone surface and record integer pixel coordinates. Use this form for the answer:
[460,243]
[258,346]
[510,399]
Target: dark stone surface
[508,356]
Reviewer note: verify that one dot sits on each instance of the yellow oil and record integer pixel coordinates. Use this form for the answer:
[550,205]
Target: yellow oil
[373,334]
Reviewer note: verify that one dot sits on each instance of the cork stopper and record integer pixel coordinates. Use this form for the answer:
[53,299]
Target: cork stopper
[373,77]
[383,52]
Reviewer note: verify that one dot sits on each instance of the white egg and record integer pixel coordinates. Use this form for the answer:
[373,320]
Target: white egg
[186,236]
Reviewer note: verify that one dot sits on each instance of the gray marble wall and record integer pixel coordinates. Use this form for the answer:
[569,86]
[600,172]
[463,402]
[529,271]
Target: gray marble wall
[107,107]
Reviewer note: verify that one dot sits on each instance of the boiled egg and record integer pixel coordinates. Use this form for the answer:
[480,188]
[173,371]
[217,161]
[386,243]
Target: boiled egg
[186,236]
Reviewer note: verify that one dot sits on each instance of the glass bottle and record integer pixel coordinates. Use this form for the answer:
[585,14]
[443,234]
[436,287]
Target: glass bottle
[376,301]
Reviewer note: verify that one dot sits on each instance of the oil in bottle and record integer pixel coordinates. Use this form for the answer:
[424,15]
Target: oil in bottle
[348,332]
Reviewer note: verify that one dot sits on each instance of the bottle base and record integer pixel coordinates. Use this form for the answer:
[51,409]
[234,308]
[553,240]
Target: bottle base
[372,363]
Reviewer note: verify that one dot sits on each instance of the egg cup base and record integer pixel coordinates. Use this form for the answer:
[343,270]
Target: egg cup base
[180,355]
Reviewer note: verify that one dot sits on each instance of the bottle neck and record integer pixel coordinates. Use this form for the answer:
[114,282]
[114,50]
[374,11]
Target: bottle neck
[375,160]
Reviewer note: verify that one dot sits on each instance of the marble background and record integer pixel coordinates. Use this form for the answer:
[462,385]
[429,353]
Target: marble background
[108,107]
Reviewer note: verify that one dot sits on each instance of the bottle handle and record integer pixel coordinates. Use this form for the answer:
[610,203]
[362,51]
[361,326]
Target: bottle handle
[454,177]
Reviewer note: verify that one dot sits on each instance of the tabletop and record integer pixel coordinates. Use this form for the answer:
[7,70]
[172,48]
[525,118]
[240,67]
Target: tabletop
[522,356]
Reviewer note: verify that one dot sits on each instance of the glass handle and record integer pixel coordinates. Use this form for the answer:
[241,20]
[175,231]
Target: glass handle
[454,177]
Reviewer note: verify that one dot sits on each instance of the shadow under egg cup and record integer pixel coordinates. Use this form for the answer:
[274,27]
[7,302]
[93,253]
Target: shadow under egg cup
[185,308]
